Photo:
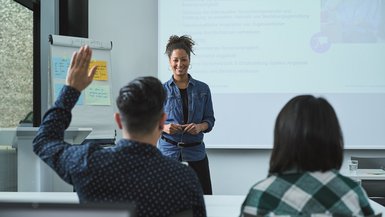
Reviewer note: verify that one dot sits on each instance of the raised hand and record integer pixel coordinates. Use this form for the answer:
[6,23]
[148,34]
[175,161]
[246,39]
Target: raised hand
[78,75]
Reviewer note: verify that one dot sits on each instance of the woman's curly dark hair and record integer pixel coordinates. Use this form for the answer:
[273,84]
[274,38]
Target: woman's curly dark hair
[184,42]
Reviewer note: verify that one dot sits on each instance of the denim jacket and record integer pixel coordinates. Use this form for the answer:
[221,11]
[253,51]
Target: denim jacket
[200,109]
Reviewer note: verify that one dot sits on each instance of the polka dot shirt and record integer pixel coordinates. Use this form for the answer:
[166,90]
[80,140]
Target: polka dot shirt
[130,171]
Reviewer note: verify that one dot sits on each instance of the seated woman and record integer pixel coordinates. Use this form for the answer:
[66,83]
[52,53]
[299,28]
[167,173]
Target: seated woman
[304,176]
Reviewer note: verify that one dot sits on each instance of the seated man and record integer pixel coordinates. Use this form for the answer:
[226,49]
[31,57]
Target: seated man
[131,171]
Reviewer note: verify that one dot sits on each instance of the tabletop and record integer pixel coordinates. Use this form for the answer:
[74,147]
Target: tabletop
[369,174]
[216,205]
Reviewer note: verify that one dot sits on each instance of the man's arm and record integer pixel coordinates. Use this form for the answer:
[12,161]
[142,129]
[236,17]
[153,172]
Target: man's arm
[49,142]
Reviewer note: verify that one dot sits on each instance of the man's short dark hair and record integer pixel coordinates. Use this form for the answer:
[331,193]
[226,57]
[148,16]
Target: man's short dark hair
[140,104]
[307,137]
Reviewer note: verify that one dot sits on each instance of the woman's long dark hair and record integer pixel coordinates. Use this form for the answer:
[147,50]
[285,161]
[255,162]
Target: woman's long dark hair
[307,137]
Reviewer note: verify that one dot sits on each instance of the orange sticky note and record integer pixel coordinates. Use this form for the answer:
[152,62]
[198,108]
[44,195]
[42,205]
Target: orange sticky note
[101,72]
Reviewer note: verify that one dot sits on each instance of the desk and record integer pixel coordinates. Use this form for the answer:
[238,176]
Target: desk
[41,197]
[369,174]
[223,205]
[230,205]
[216,205]
[373,181]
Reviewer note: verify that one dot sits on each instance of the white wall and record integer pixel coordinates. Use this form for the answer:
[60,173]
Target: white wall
[132,27]
[235,171]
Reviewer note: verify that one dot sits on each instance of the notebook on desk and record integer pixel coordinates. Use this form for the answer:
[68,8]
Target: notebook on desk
[13,209]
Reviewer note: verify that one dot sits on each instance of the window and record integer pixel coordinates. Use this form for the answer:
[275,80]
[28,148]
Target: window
[16,63]
[16,80]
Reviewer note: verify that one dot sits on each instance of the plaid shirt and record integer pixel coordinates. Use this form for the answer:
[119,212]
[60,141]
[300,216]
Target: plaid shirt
[304,194]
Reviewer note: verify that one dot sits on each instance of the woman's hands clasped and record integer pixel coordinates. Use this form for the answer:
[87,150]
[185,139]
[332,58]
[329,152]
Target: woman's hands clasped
[191,128]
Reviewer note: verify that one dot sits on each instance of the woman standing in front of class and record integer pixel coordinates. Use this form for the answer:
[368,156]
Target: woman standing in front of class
[189,112]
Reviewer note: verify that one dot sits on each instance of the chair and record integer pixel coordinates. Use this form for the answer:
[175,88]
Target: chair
[374,188]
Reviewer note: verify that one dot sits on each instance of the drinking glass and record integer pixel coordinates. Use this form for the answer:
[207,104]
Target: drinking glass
[353,166]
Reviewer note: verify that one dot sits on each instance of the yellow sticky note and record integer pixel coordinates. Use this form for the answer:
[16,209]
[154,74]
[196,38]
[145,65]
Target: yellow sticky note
[101,72]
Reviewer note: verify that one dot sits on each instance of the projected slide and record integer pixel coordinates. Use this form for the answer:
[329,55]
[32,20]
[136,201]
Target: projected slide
[280,46]
[257,54]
